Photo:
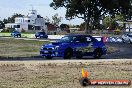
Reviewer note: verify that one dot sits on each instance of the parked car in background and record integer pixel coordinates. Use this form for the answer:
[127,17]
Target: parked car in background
[16,34]
[74,45]
[41,35]
[127,38]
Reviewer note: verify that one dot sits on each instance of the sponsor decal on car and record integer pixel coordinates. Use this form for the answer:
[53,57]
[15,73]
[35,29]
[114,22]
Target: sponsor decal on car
[88,48]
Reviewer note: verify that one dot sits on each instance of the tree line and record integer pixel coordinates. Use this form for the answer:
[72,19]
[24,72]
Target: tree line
[91,11]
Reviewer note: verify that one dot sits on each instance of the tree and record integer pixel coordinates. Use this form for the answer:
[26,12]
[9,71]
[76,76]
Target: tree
[111,22]
[63,26]
[1,24]
[47,19]
[12,18]
[5,21]
[56,19]
[92,10]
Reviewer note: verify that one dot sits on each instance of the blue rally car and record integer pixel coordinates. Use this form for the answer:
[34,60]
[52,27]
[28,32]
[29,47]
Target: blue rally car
[41,35]
[74,46]
[16,34]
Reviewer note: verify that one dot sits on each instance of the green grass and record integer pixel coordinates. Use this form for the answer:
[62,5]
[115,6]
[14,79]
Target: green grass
[19,48]
[27,35]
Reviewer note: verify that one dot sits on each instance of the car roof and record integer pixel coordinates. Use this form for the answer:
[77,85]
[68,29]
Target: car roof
[40,32]
[15,31]
[78,35]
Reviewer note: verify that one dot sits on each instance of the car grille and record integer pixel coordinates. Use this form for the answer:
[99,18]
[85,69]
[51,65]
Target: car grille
[47,48]
[47,51]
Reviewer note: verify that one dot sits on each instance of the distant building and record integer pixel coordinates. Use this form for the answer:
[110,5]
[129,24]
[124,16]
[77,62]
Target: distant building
[30,22]
[127,24]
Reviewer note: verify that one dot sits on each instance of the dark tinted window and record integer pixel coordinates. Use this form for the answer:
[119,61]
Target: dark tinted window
[80,39]
[66,39]
[42,33]
[129,35]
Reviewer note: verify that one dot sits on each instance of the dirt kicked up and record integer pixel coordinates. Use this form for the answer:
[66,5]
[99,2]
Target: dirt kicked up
[61,74]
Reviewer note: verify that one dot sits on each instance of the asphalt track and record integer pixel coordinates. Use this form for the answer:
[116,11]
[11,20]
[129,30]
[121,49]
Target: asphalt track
[125,51]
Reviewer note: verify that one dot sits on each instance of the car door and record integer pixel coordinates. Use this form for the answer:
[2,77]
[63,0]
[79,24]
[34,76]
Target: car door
[79,41]
[89,47]
[83,44]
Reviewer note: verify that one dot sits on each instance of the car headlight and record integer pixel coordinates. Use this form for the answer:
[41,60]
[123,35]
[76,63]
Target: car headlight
[42,47]
[57,47]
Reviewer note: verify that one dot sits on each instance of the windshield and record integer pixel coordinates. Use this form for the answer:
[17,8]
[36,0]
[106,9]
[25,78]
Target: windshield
[66,39]
[15,32]
[81,39]
[40,33]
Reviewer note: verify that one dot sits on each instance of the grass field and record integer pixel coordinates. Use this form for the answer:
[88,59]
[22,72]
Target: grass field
[10,47]
[41,74]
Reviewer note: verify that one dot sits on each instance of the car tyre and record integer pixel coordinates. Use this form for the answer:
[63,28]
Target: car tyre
[20,36]
[68,53]
[48,57]
[123,40]
[97,53]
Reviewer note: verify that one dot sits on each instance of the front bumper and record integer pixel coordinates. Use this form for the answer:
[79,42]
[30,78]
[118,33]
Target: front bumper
[53,53]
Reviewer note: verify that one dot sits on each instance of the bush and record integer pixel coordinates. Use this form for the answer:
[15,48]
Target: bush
[8,30]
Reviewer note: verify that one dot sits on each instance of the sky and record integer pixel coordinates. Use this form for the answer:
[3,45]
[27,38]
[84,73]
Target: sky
[9,7]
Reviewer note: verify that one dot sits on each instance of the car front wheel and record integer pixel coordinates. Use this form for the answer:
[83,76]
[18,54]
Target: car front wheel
[68,53]
[48,57]
[123,40]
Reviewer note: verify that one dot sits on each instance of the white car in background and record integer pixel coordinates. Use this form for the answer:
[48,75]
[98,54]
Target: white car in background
[127,38]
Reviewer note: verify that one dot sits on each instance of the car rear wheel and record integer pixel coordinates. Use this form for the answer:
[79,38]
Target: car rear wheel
[97,53]
[48,57]
[20,36]
[68,53]
[123,40]
[130,41]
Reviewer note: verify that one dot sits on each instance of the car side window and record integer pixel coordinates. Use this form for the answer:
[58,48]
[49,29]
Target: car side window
[79,39]
[44,33]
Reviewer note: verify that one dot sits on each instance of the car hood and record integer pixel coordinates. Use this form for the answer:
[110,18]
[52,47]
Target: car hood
[53,44]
